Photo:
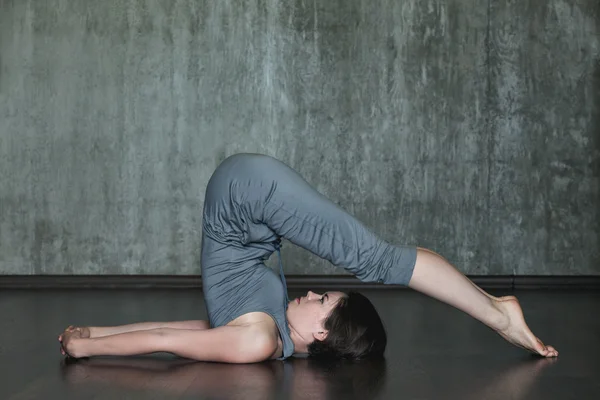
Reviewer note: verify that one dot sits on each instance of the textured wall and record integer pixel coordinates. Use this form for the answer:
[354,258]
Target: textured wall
[469,127]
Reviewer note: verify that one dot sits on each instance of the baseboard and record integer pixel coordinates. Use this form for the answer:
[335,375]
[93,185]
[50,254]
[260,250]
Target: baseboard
[586,282]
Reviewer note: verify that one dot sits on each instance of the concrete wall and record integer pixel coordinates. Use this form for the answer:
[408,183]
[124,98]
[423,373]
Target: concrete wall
[469,127]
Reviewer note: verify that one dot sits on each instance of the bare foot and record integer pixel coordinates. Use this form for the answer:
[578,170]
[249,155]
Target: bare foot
[517,332]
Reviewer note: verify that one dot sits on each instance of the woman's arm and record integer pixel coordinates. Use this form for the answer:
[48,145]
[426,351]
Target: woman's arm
[233,344]
[101,331]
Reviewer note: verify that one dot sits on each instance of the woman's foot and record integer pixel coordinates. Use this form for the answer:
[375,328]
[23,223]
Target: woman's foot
[516,331]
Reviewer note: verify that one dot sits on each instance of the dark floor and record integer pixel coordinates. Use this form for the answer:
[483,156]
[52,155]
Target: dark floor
[434,352]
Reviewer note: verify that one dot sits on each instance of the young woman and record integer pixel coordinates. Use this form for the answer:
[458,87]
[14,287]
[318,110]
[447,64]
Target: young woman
[251,202]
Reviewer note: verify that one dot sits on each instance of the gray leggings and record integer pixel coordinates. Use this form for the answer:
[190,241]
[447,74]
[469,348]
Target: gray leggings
[252,201]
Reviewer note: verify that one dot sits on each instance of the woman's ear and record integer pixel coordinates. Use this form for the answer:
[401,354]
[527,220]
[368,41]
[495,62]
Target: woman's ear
[321,335]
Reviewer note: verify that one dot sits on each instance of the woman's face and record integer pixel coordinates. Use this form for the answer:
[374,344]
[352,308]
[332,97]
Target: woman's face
[307,315]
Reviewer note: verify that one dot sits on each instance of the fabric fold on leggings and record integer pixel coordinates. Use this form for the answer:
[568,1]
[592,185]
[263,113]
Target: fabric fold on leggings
[253,201]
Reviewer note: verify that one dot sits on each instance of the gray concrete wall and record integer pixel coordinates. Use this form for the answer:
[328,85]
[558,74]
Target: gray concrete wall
[469,127]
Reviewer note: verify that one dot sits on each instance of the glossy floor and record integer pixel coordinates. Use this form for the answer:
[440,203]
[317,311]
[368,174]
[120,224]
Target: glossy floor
[434,352]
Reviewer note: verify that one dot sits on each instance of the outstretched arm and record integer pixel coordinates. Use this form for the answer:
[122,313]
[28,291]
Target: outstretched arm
[101,331]
[232,344]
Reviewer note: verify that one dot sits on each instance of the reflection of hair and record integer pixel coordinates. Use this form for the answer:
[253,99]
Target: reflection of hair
[355,331]
[350,379]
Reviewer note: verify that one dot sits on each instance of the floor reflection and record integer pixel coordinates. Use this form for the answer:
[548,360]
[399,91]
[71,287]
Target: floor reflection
[296,378]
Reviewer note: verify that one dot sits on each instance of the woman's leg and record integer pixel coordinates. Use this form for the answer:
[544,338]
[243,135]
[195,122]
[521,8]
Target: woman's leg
[297,212]
[434,276]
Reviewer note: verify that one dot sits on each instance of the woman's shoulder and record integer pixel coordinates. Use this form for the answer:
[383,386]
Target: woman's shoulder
[260,333]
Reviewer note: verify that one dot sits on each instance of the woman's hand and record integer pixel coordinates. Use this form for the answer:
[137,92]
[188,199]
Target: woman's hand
[70,340]
[85,331]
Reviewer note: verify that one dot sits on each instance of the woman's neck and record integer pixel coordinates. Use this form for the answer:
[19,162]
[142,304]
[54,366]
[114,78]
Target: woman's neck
[300,345]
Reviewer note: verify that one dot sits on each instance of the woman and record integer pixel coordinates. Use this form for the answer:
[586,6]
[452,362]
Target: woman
[252,201]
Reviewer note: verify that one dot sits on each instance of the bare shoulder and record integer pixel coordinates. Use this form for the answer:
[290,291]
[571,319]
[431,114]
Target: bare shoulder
[260,334]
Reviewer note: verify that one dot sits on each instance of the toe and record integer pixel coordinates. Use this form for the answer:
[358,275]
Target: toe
[552,351]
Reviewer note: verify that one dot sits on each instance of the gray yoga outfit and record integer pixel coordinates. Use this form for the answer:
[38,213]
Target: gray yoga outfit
[251,202]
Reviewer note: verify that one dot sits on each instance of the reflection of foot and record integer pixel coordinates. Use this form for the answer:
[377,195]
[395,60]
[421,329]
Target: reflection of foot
[517,332]
[515,382]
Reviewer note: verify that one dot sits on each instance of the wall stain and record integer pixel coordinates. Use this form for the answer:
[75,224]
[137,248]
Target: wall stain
[595,126]
[42,239]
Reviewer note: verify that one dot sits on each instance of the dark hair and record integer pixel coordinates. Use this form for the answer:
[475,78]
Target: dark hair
[355,331]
